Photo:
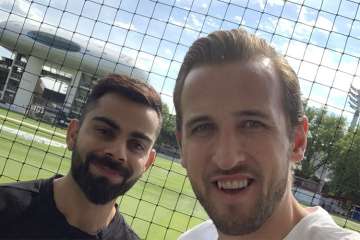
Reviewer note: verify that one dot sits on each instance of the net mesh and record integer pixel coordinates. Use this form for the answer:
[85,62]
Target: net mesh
[54,50]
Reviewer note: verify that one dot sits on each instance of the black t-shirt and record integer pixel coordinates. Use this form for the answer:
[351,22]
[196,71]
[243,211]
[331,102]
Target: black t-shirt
[28,211]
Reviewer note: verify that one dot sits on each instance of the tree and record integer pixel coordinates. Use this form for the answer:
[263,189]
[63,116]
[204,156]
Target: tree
[325,130]
[167,134]
[345,177]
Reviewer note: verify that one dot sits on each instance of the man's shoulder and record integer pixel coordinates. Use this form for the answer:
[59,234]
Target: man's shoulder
[19,190]
[326,233]
[203,231]
[23,186]
[17,196]
[319,225]
[119,229]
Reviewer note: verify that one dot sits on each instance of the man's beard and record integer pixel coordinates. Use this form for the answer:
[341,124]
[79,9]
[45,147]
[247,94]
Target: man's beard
[229,222]
[98,189]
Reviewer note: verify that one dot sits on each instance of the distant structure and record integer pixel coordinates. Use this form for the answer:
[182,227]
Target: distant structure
[354,101]
[41,53]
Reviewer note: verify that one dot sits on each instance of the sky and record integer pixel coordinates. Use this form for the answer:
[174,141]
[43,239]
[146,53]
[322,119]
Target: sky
[320,39]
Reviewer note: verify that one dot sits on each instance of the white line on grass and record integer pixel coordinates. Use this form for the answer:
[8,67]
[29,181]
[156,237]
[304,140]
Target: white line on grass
[22,123]
[32,137]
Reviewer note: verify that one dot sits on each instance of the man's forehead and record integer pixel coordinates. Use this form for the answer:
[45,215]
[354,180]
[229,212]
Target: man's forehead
[231,87]
[115,110]
[201,78]
[256,63]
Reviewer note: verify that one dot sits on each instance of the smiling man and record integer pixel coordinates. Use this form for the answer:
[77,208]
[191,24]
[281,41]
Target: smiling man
[241,127]
[111,148]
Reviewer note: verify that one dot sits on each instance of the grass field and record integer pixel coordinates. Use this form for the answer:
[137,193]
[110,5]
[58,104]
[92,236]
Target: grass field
[160,206]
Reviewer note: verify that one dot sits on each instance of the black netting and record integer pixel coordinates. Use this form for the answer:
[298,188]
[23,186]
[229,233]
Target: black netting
[53,51]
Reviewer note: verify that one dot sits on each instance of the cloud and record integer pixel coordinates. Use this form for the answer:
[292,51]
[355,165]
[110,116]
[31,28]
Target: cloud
[325,76]
[302,32]
[177,22]
[275,2]
[333,80]
[268,24]
[329,81]
[211,22]
[125,25]
[343,81]
[308,71]
[356,82]
[296,49]
[269,2]
[144,61]
[168,51]
[314,54]
[348,64]
[184,4]
[238,18]
[321,21]
[204,6]
[160,66]
[261,3]
[21,8]
[151,63]
[194,22]
[305,17]
[285,27]
[324,23]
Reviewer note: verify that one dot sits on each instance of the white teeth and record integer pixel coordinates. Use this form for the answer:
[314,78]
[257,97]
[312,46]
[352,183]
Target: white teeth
[232,184]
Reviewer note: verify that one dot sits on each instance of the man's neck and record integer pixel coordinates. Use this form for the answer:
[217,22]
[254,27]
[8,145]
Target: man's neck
[78,210]
[284,218]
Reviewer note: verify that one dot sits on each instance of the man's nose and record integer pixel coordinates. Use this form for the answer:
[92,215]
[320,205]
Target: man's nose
[229,150]
[117,150]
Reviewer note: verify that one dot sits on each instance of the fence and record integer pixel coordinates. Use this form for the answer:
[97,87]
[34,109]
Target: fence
[54,50]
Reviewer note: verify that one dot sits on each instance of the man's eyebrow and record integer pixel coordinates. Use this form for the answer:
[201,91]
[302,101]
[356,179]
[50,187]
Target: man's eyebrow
[112,124]
[195,120]
[107,121]
[251,113]
[142,136]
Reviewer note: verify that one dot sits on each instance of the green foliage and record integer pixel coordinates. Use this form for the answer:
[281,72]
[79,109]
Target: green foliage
[325,130]
[331,146]
[167,134]
[345,179]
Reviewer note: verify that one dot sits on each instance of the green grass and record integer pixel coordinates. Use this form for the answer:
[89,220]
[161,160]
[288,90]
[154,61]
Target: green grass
[347,223]
[26,120]
[161,205]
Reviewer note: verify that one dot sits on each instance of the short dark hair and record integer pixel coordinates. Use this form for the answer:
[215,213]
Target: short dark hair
[130,88]
[238,45]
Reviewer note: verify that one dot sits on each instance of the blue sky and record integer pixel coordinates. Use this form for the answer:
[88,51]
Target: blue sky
[321,39]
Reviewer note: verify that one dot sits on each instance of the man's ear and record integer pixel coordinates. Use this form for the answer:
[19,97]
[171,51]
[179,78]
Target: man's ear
[300,140]
[151,159]
[72,132]
[178,139]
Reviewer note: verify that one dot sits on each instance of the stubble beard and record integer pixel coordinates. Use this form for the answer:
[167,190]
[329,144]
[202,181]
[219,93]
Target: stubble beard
[230,220]
[98,189]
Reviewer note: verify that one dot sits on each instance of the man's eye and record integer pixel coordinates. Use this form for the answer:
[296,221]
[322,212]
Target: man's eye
[104,131]
[252,124]
[136,146]
[202,129]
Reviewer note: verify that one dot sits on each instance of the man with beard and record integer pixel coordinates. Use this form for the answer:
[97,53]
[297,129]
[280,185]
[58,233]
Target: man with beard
[111,147]
[241,127]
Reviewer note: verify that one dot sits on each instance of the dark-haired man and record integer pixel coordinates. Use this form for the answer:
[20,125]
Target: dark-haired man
[241,127]
[111,147]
